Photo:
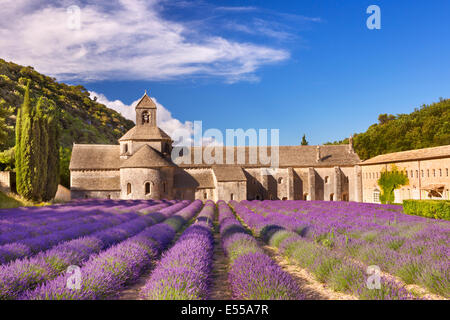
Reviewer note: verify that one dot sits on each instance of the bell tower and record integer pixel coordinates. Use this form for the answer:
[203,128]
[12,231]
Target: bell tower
[146,112]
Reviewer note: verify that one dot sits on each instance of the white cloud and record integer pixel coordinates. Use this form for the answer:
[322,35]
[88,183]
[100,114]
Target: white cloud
[126,39]
[164,117]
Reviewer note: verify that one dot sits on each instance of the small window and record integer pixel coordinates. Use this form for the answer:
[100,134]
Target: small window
[205,195]
[125,148]
[376,196]
[406,173]
[434,172]
[412,176]
[305,196]
[145,117]
[164,187]
[422,173]
[280,180]
[331,196]
[417,173]
[446,170]
[428,173]
[327,179]
[440,172]
[148,188]
[232,196]
[128,188]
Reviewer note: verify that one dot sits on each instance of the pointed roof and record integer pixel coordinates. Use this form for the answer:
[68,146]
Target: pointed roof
[146,102]
[145,133]
[146,157]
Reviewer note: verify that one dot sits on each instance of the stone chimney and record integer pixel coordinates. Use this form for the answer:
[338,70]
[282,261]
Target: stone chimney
[318,154]
[350,145]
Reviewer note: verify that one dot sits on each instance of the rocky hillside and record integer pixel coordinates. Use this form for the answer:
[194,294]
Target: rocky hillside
[82,119]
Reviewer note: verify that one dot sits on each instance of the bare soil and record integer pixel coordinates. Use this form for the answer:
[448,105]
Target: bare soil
[311,288]
[220,287]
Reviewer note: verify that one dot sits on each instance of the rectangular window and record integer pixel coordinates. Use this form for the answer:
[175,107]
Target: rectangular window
[434,172]
[376,197]
[422,174]
[446,171]
[428,173]
[440,172]
[412,176]
[417,173]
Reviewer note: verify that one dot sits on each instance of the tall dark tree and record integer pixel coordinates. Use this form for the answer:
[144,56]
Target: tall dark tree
[304,142]
[40,149]
[22,152]
[53,158]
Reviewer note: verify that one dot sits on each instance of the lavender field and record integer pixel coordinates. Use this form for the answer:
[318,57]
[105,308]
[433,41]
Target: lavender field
[190,250]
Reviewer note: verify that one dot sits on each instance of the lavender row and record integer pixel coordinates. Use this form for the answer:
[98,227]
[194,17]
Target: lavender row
[71,219]
[30,246]
[105,274]
[328,266]
[24,274]
[183,273]
[413,248]
[253,275]
[35,220]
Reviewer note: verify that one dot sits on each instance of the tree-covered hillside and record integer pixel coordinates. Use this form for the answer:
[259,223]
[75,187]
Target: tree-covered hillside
[82,120]
[427,126]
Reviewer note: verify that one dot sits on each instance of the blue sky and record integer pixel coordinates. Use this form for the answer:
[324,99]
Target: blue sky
[308,67]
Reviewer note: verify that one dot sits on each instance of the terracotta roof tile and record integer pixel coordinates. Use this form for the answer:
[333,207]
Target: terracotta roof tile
[146,157]
[419,154]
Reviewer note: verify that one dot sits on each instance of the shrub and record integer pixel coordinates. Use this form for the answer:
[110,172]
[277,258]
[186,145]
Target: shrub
[435,209]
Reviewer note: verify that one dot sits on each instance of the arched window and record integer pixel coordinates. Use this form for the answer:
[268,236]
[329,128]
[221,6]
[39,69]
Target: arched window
[280,180]
[327,179]
[128,188]
[305,196]
[125,148]
[331,196]
[145,117]
[232,196]
[148,188]
[205,195]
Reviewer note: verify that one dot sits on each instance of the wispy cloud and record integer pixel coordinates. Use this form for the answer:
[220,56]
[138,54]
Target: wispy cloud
[129,39]
[237,9]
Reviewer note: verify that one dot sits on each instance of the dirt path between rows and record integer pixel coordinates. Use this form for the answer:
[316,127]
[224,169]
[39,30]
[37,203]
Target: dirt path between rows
[131,292]
[220,287]
[311,288]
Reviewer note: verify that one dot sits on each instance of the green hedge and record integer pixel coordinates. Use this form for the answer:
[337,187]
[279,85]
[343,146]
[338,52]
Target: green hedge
[436,209]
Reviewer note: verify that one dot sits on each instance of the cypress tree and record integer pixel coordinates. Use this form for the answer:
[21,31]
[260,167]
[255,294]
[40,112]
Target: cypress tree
[22,115]
[52,179]
[40,156]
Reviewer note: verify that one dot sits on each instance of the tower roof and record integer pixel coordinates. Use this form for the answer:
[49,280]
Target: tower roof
[145,133]
[146,102]
[146,157]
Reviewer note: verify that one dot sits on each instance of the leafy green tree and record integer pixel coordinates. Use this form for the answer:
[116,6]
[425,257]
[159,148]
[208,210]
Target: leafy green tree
[428,126]
[304,142]
[7,159]
[5,128]
[389,181]
[65,154]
